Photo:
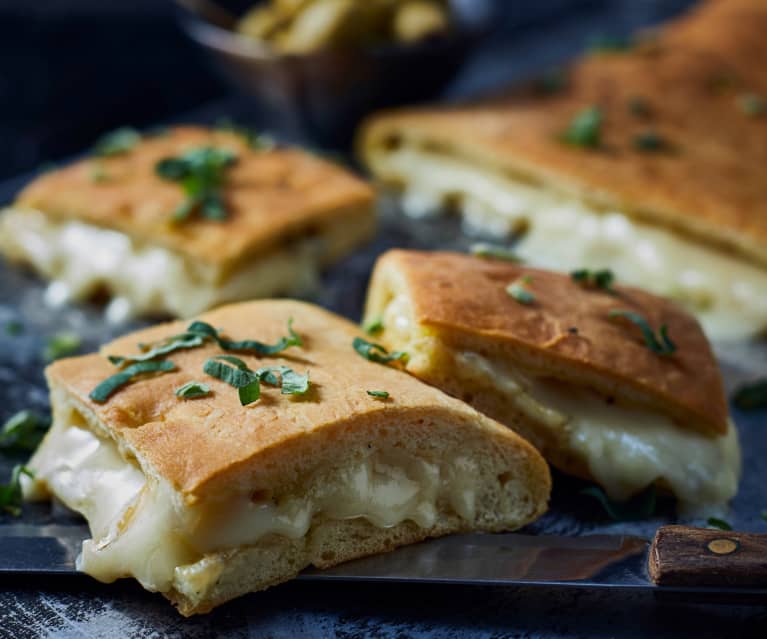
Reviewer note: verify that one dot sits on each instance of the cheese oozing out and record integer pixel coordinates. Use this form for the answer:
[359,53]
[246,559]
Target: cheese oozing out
[626,448]
[81,259]
[141,528]
[561,232]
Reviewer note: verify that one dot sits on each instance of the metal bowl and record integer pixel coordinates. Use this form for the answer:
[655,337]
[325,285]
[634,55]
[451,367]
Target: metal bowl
[321,97]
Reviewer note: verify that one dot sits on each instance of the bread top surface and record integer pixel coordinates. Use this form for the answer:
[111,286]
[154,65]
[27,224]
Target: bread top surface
[709,180]
[272,196]
[204,445]
[566,333]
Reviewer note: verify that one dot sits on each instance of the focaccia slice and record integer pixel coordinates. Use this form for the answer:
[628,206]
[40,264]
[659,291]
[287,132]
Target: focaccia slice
[648,161]
[109,224]
[568,366]
[206,499]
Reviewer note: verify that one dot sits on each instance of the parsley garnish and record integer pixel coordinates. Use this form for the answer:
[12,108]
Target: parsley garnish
[660,344]
[61,345]
[97,172]
[751,396]
[649,141]
[117,142]
[14,328]
[764,515]
[193,390]
[380,394]
[201,174]
[602,278]
[112,384]
[24,430]
[585,129]
[290,382]
[373,326]
[10,493]
[376,352]
[482,249]
[640,507]
[236,373]
[752,104]
[254,139]
[517,289]
[721,524]
[197,333]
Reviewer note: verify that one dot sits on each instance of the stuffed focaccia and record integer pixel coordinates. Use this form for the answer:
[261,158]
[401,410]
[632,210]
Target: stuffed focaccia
[216,465]
[648,161]
[185,219]
[610,383]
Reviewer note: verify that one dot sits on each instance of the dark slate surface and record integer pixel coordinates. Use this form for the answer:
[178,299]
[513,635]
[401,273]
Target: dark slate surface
[80,607]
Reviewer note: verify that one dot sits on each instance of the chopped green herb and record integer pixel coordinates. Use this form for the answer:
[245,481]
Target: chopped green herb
[10,493]
[201,174]
[61,345]
[639,107]
[518,290]
[660,344]
[764,515]
[640,507]
[650,141]
[24,430]
[117,142]
[254,139]
[373,326]
[171,344]
[380,394]
[482,249]
[721,524]
[585,129]
[193,390]
[236,373]
[112,384]
[13,328]
[376,352]
[610,44]
[291,383]
[752,104]
[602,278]
[751,396]
[247,346]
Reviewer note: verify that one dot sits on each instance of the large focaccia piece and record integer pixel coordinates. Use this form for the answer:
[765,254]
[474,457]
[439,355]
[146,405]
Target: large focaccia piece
[106,224]
[204,499]
[688,220]
[580,384]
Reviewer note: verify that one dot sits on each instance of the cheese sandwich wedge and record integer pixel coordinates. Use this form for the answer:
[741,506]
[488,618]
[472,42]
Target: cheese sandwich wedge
[610,383]
[648,161]
[203,484]
[180,221]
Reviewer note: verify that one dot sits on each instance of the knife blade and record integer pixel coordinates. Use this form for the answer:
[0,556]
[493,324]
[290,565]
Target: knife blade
[509,559]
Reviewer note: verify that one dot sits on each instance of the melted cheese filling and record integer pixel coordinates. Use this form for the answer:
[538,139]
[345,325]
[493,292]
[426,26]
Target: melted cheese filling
[728,294]
[140,528]
[81,259]
[626,448]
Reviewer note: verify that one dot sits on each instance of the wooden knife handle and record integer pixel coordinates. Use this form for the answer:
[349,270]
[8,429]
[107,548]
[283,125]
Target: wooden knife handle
[686,556]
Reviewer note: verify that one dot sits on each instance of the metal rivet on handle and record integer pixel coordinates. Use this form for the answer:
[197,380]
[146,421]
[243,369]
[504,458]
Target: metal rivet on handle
[723,546]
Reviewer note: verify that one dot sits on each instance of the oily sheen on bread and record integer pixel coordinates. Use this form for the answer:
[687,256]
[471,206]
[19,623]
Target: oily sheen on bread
[206,499]
[670,193]
[568,369]
[287,213]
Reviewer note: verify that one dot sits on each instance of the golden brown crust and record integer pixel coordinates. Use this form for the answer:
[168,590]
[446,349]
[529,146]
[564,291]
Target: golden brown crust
[462,300]
[272,196]
[253,445]
[709,184]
